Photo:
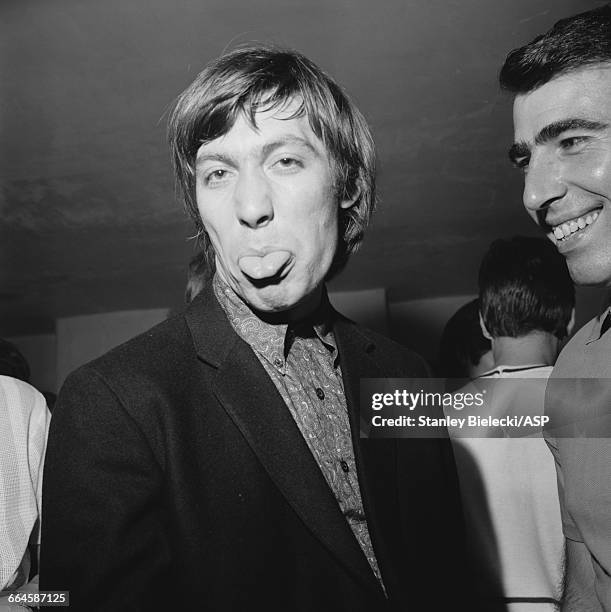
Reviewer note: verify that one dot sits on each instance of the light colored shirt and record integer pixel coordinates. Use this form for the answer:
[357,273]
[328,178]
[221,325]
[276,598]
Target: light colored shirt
[512,512]
[303,363]
[24,424]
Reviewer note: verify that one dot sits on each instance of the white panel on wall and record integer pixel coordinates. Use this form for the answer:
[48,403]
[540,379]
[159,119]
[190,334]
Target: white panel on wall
[83,338]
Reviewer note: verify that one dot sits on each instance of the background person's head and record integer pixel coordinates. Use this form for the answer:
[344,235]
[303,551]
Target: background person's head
[562,124]
[12,362]
[236,92]
[525,288]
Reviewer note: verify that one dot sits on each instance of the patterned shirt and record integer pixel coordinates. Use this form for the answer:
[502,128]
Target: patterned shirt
[303,362]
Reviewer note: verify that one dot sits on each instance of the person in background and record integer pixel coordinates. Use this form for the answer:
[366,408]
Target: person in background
[12,362]
[15,365]
[214,462]
[508,484]
[464,353]
[24,423]
[562,143]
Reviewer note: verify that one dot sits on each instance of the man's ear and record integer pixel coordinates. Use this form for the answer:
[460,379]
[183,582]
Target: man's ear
[353,199]
[482,325]
[571,324]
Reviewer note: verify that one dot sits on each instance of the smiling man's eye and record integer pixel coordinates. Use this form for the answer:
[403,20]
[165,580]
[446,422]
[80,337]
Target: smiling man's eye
[572,142]
[521,163]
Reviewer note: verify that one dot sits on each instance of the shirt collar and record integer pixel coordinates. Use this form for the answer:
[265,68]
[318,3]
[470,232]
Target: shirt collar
[599,326]
[502,369]
[273,341]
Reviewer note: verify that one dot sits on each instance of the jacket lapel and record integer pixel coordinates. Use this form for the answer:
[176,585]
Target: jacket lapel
[376,460]
[254,404]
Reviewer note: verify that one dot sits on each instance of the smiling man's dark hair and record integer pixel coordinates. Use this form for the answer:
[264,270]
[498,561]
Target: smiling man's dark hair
[573,43]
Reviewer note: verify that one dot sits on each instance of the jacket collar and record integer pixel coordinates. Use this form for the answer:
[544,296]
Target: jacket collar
[213,336]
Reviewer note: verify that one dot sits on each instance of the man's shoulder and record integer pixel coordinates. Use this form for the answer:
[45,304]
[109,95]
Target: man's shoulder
[17,393]
[588,340]
[11,386]
[582,335]
[159,353]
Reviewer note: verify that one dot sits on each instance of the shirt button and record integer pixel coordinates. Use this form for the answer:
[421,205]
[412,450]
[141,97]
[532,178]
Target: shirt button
[278,362]
[344,466]
[320,393]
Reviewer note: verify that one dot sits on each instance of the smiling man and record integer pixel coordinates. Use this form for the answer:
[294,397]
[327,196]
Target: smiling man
[562,122]
[214,462]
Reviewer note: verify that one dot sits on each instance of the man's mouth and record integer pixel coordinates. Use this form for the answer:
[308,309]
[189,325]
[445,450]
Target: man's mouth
[265,266]
[574,226]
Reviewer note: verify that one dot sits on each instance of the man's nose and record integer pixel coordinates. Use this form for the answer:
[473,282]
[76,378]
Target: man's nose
[544,183]
[253,199]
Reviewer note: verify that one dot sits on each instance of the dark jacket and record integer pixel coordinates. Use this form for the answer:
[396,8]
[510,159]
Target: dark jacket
[176,476]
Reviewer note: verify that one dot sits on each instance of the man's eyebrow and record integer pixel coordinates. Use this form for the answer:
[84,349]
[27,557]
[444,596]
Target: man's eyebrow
[520,150]
[270,147]
[555,129]
[266,150]
[212,156]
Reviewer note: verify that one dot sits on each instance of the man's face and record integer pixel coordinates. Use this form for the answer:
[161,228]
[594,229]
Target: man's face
[267,198]
[563,143]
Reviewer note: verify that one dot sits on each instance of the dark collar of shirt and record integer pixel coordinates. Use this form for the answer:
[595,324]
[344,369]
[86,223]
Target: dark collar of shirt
[600,326]
[273,341]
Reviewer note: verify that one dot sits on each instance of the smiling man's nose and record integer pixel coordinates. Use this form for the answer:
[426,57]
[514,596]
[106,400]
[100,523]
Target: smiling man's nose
[543,184]
[253,201]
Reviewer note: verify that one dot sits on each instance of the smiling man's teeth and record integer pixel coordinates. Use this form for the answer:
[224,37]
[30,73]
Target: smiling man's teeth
[570,227]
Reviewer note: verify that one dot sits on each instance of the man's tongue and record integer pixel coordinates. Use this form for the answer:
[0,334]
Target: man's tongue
[264,266]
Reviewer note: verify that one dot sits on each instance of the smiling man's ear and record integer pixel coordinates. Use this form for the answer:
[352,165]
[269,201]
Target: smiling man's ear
[485,331]
[571,323]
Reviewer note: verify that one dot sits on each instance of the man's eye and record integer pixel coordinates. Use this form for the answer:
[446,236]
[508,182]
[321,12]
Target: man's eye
[216,176]
[522,163]
[573,142]
[288,162]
